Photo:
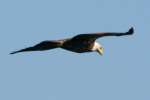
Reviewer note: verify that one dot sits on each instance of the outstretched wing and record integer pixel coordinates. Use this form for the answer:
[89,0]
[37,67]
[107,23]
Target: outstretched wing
[45,45]
[93,36]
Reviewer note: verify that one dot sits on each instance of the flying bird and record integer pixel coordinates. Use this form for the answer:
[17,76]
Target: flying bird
[80,43]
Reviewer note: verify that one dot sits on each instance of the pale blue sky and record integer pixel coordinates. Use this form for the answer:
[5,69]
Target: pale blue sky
[122,73]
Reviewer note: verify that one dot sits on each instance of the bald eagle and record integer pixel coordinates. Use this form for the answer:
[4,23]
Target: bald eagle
[80,43]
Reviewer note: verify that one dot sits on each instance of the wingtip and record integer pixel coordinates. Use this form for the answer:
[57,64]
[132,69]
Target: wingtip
[131,31]
[13,52]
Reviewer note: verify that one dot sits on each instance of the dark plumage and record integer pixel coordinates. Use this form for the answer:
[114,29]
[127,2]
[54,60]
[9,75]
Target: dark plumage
[79,43]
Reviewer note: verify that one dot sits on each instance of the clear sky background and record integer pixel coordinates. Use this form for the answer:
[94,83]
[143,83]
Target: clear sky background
[122,73]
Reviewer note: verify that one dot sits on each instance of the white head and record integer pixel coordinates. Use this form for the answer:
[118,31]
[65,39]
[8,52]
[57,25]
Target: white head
[98,48]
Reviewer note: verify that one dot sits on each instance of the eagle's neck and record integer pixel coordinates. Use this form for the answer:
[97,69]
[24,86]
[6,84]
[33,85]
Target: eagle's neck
[96,46]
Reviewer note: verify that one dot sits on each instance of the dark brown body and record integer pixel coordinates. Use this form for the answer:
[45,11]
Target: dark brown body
[77,46]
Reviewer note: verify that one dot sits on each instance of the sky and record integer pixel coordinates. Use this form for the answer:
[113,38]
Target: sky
[122,73]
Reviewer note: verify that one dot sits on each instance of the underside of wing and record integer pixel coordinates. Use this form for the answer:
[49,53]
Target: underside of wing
[94,36]
[45,45]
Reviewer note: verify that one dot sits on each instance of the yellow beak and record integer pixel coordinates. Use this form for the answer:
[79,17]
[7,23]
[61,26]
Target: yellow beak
[100,51]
